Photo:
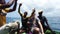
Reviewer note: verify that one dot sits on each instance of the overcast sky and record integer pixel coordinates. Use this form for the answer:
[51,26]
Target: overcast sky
[51,8]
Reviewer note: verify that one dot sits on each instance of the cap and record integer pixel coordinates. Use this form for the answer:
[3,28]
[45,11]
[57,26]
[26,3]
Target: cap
[40,12]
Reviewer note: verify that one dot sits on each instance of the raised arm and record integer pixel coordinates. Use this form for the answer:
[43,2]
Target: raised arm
[32,13]
[19,9]
[13,9]
[2,6]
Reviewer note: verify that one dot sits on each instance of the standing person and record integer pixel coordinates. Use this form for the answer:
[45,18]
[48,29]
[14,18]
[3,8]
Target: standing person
[36,26]
[24,19]
[43,20]
[4,10]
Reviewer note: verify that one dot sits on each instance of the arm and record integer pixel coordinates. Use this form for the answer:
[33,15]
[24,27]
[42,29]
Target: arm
[32,13]
[42,31]
[2,6]
[13,9]
[47,22]
[19,10]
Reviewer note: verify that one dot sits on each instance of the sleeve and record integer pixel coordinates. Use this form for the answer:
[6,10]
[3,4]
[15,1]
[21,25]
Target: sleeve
[7,10]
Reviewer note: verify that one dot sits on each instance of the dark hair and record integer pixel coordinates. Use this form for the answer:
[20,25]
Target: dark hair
[41,12]
[25,12]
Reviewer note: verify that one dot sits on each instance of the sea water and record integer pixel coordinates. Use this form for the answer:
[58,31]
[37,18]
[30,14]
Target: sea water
[54,22]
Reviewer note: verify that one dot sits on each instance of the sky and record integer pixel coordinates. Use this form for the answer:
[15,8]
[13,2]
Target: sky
[51,8]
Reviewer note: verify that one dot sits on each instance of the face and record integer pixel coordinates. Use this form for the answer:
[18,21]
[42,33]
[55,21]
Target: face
[25,14]
[40,13]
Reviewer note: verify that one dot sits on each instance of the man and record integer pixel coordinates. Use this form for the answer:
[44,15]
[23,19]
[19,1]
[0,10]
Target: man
[43,20]
[4,10]
[24,18]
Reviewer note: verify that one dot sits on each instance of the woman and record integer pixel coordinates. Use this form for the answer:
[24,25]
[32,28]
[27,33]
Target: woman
[36,27]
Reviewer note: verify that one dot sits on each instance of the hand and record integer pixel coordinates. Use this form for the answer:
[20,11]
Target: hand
[34,9]
[20,4]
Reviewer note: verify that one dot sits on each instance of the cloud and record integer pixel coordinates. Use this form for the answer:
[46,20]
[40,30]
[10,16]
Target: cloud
[51,8]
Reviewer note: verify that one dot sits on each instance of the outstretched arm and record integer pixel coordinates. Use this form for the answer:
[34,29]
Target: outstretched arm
[13,9]
[19,9]
[2,6]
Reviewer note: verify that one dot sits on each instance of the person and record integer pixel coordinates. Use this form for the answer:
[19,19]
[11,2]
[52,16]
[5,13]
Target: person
[43,20]
[9,28]
[24,18]
[3,4]
[4,10]
[35,26]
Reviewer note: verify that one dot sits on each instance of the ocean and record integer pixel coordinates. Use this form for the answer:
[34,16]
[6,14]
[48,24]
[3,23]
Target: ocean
[54,22]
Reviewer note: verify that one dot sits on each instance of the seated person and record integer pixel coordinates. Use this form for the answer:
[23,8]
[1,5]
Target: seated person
[43,20]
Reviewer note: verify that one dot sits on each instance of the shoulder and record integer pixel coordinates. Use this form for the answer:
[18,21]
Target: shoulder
[43,16]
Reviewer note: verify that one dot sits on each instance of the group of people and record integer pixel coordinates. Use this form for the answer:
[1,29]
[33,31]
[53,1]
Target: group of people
[29,24]
[33,24]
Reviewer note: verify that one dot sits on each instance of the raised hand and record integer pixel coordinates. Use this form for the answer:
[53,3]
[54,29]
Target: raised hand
[34,9]
[20,4]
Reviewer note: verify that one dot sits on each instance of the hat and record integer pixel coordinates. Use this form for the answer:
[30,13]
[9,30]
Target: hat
[40,12]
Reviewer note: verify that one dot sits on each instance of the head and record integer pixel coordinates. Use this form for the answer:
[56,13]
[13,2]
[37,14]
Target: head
[25,14]
[40,13]
[2,1]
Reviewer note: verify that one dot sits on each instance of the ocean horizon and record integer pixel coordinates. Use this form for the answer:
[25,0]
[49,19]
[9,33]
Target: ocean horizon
[54,22]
